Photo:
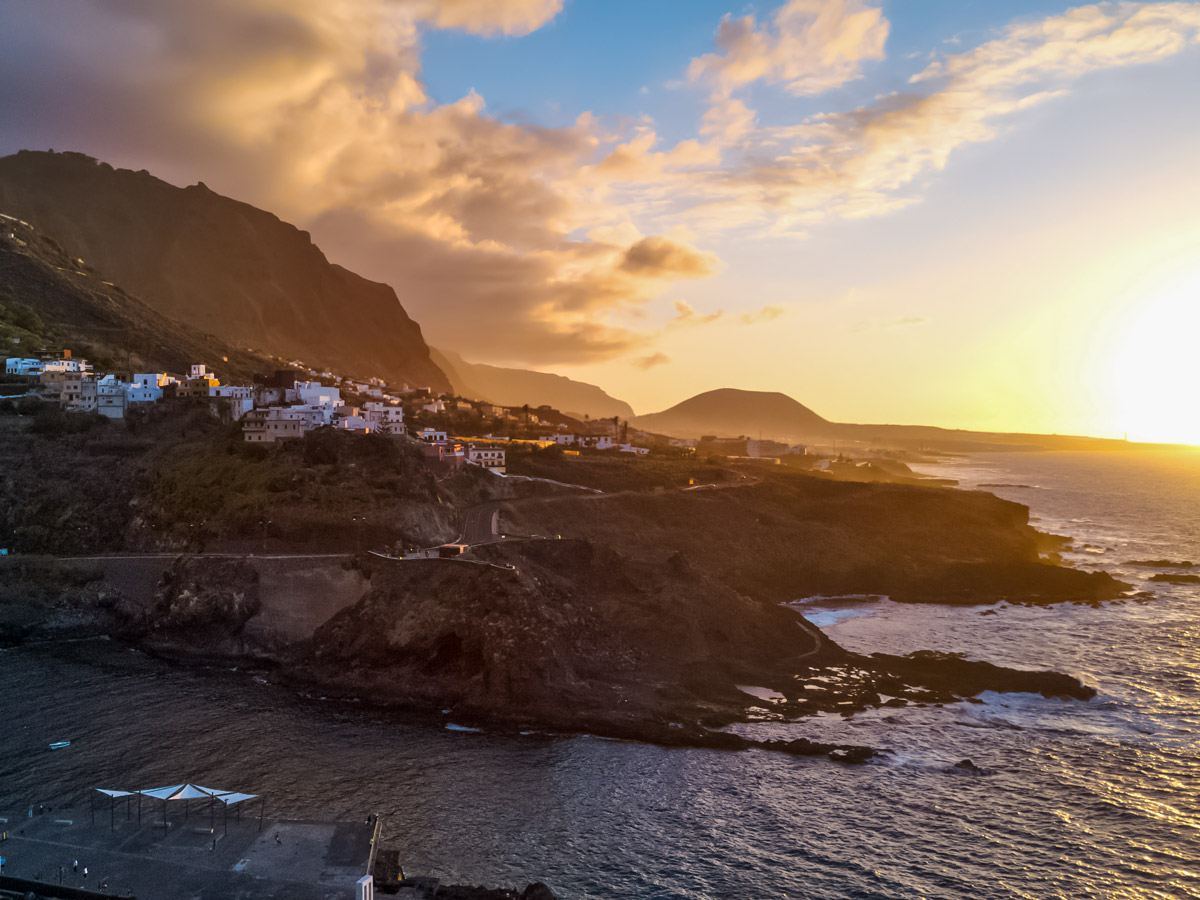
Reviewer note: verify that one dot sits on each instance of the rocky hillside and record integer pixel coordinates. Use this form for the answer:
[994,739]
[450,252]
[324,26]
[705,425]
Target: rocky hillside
[218,265]
[791,535]
[520,387]
[50,299]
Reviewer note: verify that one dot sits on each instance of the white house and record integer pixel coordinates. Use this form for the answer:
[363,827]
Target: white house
[146,387]
[382,416]
[353,423]
[310,415]
[66,364]
[24,366]
[597,442]
[314,393]
[629,448]
[558,438]
[269,426]
[240,397]
[16,365]
[491,458]
[112,397]
[431,436]
[199,370]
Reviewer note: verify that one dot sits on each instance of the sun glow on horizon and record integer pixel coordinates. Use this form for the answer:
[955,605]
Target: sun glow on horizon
[1153,365]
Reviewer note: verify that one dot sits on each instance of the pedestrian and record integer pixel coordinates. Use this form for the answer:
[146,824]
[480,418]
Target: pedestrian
[85,873]
[75,868]
[60,874]
[277,840]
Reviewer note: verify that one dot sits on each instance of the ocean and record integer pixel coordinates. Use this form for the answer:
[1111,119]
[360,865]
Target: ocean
[1079,800]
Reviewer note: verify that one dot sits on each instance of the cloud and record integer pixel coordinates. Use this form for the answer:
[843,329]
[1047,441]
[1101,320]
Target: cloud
[646,363]
[660,257]
[686,315]
[489,17]
[865,162]
[809,46]
[316,111]
[766,314]
[545,245]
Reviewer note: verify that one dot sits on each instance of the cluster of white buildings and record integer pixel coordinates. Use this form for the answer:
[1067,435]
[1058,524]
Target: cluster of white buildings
[284,409]
[72,384]
[273,409]
[444,455]
[593,442]
[278,407]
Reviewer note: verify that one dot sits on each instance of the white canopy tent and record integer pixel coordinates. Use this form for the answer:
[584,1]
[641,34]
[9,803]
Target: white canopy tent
[185,792]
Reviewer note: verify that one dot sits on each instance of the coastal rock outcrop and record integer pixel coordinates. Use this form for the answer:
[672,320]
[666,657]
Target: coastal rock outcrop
[203,605]
[572,635]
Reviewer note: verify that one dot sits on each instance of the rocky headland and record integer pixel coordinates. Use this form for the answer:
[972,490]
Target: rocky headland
[661,614]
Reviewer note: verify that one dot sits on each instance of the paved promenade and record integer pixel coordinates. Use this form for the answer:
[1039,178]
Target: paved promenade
[292,860]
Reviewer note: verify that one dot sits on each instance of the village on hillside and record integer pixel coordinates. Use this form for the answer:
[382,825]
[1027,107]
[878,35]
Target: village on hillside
[295,399]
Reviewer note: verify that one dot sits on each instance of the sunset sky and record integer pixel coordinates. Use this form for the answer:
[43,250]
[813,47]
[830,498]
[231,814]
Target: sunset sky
[967,213]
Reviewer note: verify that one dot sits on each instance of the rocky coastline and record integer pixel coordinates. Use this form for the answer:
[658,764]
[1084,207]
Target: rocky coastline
[578,639]
[655,612]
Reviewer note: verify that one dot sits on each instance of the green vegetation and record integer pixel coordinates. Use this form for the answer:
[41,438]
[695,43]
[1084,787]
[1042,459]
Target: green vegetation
[180,480]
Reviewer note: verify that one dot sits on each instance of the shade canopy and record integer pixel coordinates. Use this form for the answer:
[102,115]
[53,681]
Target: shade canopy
[185,791]
[181,792]
[233,797]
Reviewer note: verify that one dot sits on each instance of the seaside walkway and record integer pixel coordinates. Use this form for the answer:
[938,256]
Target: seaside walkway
[286,860]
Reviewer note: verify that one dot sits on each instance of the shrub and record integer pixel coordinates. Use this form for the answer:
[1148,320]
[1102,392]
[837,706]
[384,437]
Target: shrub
[29,405]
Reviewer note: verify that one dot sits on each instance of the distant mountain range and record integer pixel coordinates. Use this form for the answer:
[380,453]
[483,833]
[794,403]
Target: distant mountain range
[517,387]
[49,297]
[735,413]
[218,265]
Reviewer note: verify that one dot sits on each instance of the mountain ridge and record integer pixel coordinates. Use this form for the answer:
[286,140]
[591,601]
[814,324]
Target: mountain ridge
[49,297]
[218,265]
[518,387]
[731,413]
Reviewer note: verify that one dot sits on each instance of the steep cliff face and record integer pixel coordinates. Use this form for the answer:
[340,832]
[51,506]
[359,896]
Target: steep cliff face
[519,387]
[218,265]
[49,299]
[573,636]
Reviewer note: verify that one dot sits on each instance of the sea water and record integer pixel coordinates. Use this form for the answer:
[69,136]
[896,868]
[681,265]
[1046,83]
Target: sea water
[1096,799]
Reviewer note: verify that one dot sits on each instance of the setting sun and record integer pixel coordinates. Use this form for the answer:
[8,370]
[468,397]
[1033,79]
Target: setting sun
[1154,369]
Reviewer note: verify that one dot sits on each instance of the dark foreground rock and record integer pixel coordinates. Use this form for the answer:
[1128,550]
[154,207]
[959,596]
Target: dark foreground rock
[549,635]
[1173,578]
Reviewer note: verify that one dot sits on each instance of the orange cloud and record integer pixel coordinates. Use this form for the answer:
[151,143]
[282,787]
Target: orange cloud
[686,315]
[766,314]
[646,363]
[317,111]
[660,257]
[809,46]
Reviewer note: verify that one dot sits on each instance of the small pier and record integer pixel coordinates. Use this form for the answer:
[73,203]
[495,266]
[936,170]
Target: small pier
[285,860]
